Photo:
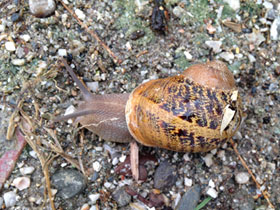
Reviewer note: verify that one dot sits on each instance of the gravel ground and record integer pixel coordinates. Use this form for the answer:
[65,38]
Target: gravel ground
[244,34]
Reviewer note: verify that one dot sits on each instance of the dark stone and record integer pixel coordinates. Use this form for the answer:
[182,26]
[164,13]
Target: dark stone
[190,199]
[164,177]
[94,176]
[68,182]
[15,17]
[121,197]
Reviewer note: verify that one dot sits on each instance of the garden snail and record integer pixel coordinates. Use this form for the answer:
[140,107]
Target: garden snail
[195,111]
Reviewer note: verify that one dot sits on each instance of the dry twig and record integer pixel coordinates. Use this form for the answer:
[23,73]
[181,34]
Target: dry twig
[93,34]
[264,192]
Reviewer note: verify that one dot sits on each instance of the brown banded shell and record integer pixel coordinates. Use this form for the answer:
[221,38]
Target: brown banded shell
[186,112]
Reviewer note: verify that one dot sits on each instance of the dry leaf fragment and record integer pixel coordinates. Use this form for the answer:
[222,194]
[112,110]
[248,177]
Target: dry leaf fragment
[237,27]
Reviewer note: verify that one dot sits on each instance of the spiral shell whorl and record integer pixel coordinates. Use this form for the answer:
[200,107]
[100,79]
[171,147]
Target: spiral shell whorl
[184,113]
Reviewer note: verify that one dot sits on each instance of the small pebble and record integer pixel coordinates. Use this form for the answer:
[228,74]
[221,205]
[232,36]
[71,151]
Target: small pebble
[212,192]
[228,56]
[15,17]
[215,45]
[109,185]
[25,37]
[268,5]
[18,62]
[71,109]
[85,207]
[94,197]
[255,38]
[179,11]
[33,154]
[186,157]
[93,208]
[242,177]
[234,4]
[211,183]
[10,198]
[96,166]
[10,46]
[94,176]
[188,55]
[68,182]
[27,170]
[164,177]
[275,29]
[93,86]
[208,159]
[80,14]
[42,8]
[20,52]
[21,183]
[2,28]
[190,199]
[115,161]
[188,182]
[121,197]
[62,52]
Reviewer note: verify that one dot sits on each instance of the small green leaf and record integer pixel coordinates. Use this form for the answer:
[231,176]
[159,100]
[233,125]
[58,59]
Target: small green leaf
[203,203]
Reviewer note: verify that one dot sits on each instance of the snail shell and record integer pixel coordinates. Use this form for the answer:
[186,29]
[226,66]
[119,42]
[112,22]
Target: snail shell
[186,112]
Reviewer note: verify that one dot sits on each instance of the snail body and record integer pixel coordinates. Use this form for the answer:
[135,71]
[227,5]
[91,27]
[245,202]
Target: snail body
[196,111]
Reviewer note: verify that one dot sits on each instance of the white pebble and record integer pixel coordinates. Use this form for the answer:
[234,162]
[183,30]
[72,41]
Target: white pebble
[42,65]
[268,5]
[274,30]
[10,46]
[93,208]
[33,154]
[115,161]
[215,45]
[186,157]
[10,198]
[128,46]
[212,192]
[94,197]
[97,166]
[188,182]
[80,14]
[63,165]
[108,185]
[228,56]
[71,109]
[234,4]
[64,18]
[21,183]
[2,28]
[122,158]
[42,8]
[188,55]
[93,86]
[208,159]
[25,37]
[98,149]
[62,52]
[252,59]
[18,62]
[211,183]
[85,207]
[221,155]
[27,170]
[242,177]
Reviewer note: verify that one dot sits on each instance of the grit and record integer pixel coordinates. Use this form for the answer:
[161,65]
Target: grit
[243,34]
